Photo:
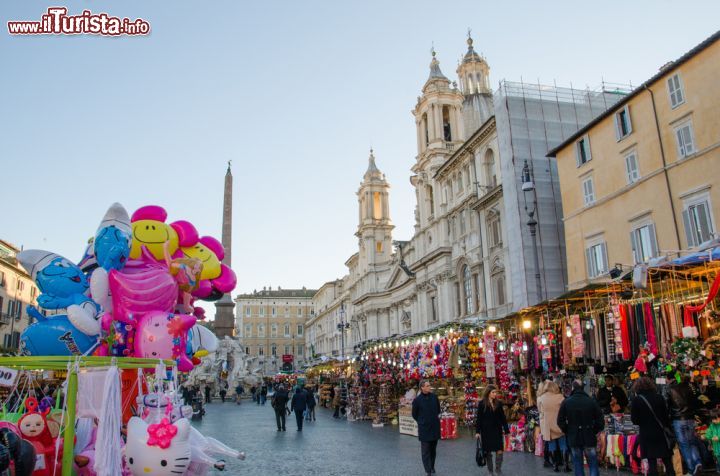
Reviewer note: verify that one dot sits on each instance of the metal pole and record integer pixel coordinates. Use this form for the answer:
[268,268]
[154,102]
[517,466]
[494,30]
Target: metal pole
[69,435]
[533,232]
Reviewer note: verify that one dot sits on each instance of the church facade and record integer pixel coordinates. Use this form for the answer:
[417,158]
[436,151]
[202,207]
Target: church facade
[480,176]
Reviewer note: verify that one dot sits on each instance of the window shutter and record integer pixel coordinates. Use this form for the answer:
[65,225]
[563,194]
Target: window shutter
[603,249]
[618,126]
[634,245]
[688,140]
[653,241]
[586,143]
[589,262]
[627,119]
[704,224]
[578,155]
[689,232]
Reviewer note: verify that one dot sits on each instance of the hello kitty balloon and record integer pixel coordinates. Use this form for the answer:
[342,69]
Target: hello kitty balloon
[161,449]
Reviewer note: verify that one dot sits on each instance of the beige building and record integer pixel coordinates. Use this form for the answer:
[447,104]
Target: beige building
[641,180]
[17,291]
[271,323]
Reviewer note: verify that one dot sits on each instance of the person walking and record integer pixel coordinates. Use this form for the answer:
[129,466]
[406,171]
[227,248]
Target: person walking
[649,412]
[207,393]
[253,392]
[683,404]
[426,412]
[581,419]
[279,403]
[263,394]
[336,402]
[223,390]
[549,407]
[490,425]
[611,398]
[299,404]
[310,404]
[239,391]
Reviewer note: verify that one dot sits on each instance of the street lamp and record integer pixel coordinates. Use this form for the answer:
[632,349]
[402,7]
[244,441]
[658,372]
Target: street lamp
[528,187]
[342,326]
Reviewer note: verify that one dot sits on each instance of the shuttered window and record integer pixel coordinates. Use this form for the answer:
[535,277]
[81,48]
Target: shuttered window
[698,224]
[596,260]
[677,96]
[588,191]
[685,140]
[644,243]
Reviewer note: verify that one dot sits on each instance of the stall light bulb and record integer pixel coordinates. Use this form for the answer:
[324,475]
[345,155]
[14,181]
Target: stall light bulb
[524,347]
[408,366]
[450,330]
[527,324]
[397,344]
[480,344]
[500,334]
[437,336]
[418,341]
[459,362]
[589,324]
[501,347]
[423,339]
[568,332]
[543,340]
[472,331]
[492,329]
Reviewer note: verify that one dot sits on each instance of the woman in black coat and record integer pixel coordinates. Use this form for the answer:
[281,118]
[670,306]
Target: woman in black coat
[490,425]
[652,435]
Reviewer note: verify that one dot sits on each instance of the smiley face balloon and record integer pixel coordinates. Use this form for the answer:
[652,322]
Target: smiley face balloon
[150,230]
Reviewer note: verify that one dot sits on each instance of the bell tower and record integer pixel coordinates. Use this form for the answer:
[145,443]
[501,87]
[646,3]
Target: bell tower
[474,75]
[375,227]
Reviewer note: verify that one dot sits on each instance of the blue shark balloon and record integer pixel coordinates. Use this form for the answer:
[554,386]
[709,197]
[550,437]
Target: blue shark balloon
[54,335]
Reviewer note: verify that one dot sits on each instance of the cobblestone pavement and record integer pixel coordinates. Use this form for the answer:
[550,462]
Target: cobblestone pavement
[329,447]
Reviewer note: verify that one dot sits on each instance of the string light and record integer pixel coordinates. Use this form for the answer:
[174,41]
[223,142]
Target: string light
[492,329]
[472,331]
[524,347]
[459,362]
[527,324]
[568,331]
[543,340]
[501,347]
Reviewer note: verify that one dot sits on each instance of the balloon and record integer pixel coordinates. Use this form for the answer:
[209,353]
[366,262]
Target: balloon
[201,339]
[211,263]
[112,239]
[162,335]
[55,335]
[161,449]
[150,230]
[139,289]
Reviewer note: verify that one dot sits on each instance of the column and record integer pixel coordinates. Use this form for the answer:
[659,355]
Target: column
[418,127]
[431,122]
[460,124]
[438,122]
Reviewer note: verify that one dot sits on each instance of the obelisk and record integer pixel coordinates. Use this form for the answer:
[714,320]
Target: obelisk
[225,307]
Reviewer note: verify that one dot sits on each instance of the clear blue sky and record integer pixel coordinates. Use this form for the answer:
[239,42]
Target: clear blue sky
[293,92]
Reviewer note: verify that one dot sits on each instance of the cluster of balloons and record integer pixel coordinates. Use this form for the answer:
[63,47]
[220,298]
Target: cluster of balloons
[134,292]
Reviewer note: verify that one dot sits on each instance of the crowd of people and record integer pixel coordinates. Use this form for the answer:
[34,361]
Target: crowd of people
[570,424]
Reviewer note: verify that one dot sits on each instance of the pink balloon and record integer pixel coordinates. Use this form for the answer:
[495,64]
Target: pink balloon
[156,332]
[149,212]
[138,290]
[214,245]
[187,233]
[203,290]
[226,281]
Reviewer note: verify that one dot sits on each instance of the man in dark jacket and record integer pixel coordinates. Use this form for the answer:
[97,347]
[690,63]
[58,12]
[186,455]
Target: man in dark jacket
[426,412]
[279,404]
[263,394]
[683,404]
[606,394]
[310,404]
[299,405]
[581,419]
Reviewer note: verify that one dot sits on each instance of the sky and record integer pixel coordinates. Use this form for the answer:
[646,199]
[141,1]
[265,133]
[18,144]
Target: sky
[294,93]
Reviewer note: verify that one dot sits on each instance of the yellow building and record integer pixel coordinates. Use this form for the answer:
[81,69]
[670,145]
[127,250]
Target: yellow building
[17,291]
[642,179]
[271,324]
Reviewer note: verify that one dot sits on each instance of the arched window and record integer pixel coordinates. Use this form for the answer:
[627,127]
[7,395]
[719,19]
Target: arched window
[431,200]
[273,330]
[467,287]
[447,133]
[425,129]
[498,283]
[287,330]
[489,164]
[377,206]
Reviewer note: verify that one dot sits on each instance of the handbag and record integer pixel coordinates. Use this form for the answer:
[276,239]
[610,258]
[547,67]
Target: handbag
[668,433]
[479,454]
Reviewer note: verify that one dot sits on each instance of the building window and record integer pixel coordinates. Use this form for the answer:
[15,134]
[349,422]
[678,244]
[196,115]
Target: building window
[596,257]
[287,350]
[462,223]
[378,246]
[262,311]
[489,165]
[261,330]
[644,243]
[632,172]
[588,191]
[467,287]
[274,312]
[300,350]
[433,309]
[273,330]
[248,330]
[675,89]
[20,285]
[273,350]
[299,312]
[2,278]
[494,229]
[377,206]
[498,283]
[582,151]
[247,350]
[261,350]
[287,330]
[247,311]
[685,139]
[458,305]
[698,221]
[623,126]
[299,329]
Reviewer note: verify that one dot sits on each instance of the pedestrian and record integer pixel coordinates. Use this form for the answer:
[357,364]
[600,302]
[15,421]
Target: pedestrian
[490,425]
[328,402]
[263,394]
[253,391]
[336,402]
[223,390]
[207,393]
[426,412]
[649,412]
[683,404]
[581,419]
[549,407]
[547,463]
[239,391]
[310,404]
[299,404]
[187,399]
[611,398]
[712,435]
[279,403]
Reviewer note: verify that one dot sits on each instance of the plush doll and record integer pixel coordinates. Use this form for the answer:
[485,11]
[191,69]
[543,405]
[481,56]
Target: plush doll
[34,428]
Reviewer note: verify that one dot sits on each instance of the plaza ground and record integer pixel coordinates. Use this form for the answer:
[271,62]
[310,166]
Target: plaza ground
[329,447]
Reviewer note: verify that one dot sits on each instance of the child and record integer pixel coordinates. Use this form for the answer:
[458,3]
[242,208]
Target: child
[713,435]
